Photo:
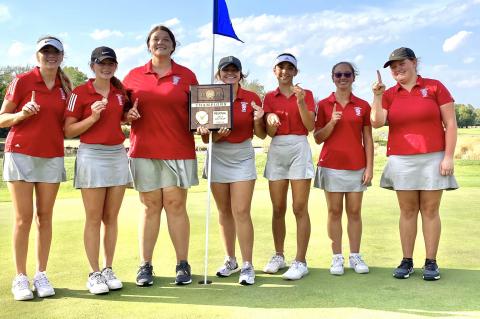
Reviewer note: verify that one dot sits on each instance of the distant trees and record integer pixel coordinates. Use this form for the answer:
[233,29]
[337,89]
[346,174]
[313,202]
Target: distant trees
[76,76]
[254,86]
[467,115]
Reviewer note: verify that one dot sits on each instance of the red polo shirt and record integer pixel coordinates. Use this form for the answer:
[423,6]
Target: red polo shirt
[287,111]
[242,116]
[344,148]
[40,135]
[107,129]
[162,131]
[414,118]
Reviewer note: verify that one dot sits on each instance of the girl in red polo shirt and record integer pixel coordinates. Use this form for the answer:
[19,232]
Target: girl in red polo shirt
[162,152]
[234,172]
[289,117]
[33,107]
[95,111]
[345,165]
[421,143]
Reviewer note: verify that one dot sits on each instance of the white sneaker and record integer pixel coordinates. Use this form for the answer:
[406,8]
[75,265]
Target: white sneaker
[21,288]
[247,274]
[337,265]
[111,280]
[42,286]
[357,263]
[276,263]
[96,283]
[296,271]
[229,267]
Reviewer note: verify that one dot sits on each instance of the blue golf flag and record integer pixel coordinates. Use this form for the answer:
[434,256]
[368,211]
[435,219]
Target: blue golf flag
[221,20]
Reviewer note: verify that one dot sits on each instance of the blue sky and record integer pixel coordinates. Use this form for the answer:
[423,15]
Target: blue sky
[444,34]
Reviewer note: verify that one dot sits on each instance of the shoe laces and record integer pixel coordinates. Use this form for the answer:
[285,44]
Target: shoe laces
[21,281]
[146,269]
[337,261]
[297,264]
[277,259]
[97,277]
[183,269]
[357,259]
[430,265]
[230,263]
[246,271]
[41,280]
[109,274]
[405,264]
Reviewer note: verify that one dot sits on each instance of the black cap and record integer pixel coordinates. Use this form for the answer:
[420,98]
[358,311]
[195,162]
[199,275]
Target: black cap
[102,53]
[225,61]
[400,54]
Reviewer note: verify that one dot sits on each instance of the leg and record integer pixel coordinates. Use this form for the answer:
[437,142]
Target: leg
[149,224]
[409,202]
[22,200]
[353,205]
[111,207]
[300,193]
[175,203]
[241,196]
[334,223]
[221,193]
[431,224]
[278,195]
[94,201]
[45,194]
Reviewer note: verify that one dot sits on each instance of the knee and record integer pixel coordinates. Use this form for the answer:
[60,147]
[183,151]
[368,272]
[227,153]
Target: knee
[151,205]
[242,215]
[43,220]
[110,220]
[409,213]
[299,209]
[23,222]
[279,211]
[354,215]
[335,213]
[429,212]
[175,207]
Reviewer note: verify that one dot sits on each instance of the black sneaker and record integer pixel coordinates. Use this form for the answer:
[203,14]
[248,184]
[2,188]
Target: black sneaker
[184,275]
[404,270]
[145,275]
[430,270]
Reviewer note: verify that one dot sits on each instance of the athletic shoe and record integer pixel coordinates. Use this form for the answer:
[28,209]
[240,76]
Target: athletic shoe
[357,263]
[296,271]
[276,263]
[404,270]
[430,270]
[184,275]
[111,280]
[97,284]
[229,267]
[42,286]
[337,265]
[21,288]
[247,274]
[145,275]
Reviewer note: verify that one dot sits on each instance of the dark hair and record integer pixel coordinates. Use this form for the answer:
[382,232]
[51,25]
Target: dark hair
[163,28]
[350,65]
[118,85]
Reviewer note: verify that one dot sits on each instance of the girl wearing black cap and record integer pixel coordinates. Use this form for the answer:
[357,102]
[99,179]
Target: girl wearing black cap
[95,111]
[421,144]
[33,107]
[234,172]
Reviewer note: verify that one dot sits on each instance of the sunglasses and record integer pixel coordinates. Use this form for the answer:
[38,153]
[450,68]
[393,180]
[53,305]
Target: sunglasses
[347,75]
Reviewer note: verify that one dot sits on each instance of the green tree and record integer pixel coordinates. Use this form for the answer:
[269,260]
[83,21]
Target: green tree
[466,115]
[477,117]
[76,76]
[254,86]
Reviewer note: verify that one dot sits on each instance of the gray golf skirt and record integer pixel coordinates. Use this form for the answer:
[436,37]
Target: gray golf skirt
[289,157]
[231,162]
[100,165]
[416,172]
[32,169]
[150,174]
[339,180]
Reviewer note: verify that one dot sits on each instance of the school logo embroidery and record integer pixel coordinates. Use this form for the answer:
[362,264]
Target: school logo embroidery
[244,107]
[175,80]
[424,92]
[120,99]
[358,110]
[62,94]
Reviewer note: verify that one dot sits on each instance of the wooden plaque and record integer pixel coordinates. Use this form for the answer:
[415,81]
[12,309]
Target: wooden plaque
[210,106]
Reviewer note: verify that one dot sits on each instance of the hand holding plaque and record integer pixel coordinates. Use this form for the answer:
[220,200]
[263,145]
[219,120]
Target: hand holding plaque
[210,106]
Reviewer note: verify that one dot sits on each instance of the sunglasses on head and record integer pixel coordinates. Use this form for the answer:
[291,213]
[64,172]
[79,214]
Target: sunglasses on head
[347,75]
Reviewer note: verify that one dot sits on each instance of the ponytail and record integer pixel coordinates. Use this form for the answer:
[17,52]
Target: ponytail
[65,81]
[118,84]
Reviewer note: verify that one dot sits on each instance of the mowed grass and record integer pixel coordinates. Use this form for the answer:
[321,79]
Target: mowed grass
[319,295]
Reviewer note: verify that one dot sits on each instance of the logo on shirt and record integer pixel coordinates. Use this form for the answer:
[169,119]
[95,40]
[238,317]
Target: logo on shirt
[120,99]
[424,92]
[62,94]
[175,80]
[244,107]
[358,110]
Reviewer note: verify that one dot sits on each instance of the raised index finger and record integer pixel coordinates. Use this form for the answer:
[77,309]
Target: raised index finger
[379,77]
[334,107]
[135,105]
[33,97]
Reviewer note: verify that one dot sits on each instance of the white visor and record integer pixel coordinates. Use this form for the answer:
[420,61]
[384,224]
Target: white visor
[49,41]
[286,58]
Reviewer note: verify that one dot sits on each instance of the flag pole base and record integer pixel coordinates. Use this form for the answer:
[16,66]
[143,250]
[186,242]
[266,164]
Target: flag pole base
[202,282]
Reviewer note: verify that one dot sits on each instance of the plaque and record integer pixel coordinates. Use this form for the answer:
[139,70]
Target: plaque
[210,106]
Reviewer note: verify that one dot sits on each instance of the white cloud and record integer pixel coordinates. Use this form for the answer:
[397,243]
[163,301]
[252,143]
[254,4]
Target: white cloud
[452,43]
[469,83]
[469,60]
[359,58]
[16,49]
[106,33]
[171,22]
[4,13]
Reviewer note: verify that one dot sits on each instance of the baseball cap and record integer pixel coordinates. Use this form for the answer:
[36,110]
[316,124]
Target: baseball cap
[226,61]
[50,41]
[102,53]
[286,58]
[400,54]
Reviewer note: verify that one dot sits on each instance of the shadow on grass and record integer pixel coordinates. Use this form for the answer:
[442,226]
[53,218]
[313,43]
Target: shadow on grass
[457,291]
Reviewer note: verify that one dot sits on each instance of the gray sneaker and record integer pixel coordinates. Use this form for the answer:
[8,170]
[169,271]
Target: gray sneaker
[145,275]
[229,267]
[247,274]
[404,270]
[430,270]
[184,273]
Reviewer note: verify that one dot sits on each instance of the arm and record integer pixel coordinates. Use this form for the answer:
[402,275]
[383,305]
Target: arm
[308,117]
[258,123]
[73,127]
[368,145]
[322,134]
[449,120]
[272,122]
[8,118]
[378,115]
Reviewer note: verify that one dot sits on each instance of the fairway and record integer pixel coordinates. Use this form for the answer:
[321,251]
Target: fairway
[319,295]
